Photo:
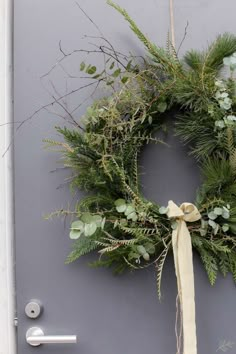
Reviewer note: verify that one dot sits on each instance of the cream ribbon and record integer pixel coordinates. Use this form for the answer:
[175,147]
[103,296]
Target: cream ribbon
[183,258]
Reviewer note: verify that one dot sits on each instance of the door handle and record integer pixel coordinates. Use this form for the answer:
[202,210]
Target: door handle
[35,337]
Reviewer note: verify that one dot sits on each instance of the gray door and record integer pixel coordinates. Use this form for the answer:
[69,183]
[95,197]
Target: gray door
[110,314]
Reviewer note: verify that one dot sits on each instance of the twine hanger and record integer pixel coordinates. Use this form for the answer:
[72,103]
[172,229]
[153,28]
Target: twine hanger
[172,23]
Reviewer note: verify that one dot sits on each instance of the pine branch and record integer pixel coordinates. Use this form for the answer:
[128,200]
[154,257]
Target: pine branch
[158,53]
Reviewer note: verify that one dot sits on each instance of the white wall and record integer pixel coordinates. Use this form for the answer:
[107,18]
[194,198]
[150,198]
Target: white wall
[7,306]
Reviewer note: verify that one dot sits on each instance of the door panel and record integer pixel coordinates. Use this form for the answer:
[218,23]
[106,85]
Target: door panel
[110,314]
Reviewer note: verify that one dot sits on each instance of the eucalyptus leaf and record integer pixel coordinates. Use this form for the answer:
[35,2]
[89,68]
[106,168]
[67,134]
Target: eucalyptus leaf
[130,209]
[218,211]
[204,224]
[146,256]
[75,234]
[133,255]
[203,232]
[212,215]
[224,94]
[225,214]
[163,210]
[77,225]
[132,216]
[212,223]
[97,219]
[227,61]
[220,124]
[225,103]
[150,248]
[123,222]
[231,118]
[141,250]
[216,229]
[120,202]
[225,227]
[121,208]
[174,225]
[150,120]
[219,83]
[120,205]
[90,229]
[103,223]
[87,218]
[218,95]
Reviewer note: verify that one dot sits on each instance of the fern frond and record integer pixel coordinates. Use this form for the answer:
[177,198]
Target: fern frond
[224,264]
[210,264]
[232,262]
[217,247]
[81,247]
[130,242]
[139,232]
[108,249]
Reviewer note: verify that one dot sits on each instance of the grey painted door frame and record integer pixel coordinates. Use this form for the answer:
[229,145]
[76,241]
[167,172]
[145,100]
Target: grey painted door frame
[7,298]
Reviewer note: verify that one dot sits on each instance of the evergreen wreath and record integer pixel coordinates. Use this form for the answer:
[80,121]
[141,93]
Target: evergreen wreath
[115,219]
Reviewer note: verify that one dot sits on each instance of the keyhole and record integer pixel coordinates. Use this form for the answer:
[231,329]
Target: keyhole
[32,311]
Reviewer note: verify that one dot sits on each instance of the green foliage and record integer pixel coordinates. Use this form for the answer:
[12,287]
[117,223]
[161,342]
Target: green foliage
[114,218]
[223,46]
[82,246]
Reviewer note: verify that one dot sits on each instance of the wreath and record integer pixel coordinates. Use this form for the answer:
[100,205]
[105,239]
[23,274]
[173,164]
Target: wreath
[115,218]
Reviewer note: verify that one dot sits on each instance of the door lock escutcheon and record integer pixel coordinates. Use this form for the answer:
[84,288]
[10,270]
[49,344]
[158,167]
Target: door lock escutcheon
[33,309]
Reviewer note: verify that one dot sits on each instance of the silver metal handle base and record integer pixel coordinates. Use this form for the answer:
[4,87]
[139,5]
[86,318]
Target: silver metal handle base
[35,337]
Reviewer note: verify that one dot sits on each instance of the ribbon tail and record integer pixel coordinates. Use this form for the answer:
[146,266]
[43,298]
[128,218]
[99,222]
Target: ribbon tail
[183,258]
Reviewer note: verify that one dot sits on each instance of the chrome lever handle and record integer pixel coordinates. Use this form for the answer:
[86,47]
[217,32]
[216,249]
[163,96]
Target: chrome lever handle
[35,337]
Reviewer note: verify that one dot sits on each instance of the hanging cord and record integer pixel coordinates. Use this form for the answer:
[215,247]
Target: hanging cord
[178,326]
[172,23]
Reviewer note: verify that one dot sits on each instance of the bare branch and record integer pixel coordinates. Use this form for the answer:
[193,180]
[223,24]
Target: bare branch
[184,36]
[69,114]
[89,18]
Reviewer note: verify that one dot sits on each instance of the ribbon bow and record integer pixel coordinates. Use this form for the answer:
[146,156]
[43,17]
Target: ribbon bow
[183,258]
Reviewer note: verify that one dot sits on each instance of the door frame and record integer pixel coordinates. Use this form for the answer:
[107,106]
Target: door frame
[7,258]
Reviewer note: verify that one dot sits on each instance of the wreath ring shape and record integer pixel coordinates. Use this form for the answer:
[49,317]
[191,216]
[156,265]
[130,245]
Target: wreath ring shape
[115,218]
